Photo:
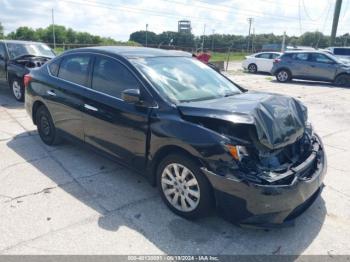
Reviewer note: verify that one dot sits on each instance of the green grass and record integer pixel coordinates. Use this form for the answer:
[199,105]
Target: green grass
[58,50]
[234,56]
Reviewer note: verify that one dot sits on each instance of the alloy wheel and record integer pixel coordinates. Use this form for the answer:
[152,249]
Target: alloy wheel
[252,68]
[17,90]
[282,76]
[180,187]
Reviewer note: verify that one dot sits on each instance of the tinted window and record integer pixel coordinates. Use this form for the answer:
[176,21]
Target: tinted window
[342,51]
[301,56]
[265,55]
[111,77]
[2,51]
[54,67]
[274,56]
[75,69]
[320,58]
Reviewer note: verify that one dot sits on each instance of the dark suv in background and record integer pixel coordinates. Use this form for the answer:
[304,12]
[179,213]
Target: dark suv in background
[311,65]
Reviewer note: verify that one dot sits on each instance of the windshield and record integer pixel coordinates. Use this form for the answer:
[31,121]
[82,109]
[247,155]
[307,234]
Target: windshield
[35,49]
[184,79]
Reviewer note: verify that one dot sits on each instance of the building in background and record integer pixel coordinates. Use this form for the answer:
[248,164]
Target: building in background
[184,26]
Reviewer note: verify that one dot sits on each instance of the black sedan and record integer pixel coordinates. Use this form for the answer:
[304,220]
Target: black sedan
[202,139]
[18,58]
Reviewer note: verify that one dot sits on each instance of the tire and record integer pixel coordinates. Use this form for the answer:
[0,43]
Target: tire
[283,76]
[17,89]
[193,192]
[46,128]
[342,80]
[252,68]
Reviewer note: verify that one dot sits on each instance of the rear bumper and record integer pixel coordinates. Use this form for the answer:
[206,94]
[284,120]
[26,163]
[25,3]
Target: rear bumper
[257,205]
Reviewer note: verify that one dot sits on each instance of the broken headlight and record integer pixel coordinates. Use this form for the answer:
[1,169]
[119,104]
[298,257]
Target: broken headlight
[236,151]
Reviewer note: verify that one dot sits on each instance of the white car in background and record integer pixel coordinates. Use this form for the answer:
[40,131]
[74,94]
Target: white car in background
[260,62]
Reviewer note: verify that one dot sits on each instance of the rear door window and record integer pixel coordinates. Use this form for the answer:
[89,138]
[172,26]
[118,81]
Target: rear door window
[301,56]
[75,69]
[111,77]
[274,56]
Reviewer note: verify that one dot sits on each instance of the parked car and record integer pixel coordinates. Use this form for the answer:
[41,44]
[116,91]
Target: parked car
[311,65]
[17,58]
[205,141]
[340,52]
[260,62]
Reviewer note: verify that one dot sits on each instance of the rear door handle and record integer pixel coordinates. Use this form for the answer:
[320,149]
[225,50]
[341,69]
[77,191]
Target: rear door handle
[88,107]
[51,93]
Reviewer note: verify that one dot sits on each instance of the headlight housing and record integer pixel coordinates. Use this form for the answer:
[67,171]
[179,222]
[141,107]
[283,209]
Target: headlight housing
[237,151]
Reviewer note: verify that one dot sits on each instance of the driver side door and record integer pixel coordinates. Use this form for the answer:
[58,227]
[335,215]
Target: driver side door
[111,124]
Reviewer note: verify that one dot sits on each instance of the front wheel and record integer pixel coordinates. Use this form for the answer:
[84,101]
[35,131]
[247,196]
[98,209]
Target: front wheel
[17,89]
[252,68]
[184,189]
[283,76]
[342,81]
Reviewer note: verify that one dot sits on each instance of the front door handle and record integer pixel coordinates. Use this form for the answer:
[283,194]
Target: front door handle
[88,107]
[51,93]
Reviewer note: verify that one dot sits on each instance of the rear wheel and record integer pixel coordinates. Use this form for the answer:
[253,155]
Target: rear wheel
[252,68]
[184,189]
[342,80]
[283,76]
[46,128]
[17,89]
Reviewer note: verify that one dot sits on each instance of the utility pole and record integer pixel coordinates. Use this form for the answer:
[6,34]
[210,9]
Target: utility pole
[53,30]
[337,9]
[283,48]
[250,21]
[203,38]
[253,38]
[146,34]
[212,41]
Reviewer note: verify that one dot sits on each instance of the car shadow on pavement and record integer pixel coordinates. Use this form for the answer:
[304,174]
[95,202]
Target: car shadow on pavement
[124,198]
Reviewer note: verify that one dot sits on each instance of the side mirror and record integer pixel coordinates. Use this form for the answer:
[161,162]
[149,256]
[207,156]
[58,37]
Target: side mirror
[131,96]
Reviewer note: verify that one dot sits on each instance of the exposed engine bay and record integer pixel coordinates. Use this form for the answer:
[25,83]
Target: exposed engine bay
[32,61]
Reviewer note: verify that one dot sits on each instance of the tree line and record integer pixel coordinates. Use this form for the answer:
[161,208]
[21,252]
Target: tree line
[68,38]
[223,42]
[64,37]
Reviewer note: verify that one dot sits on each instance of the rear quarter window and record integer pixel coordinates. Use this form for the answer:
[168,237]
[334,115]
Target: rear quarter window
[54,67]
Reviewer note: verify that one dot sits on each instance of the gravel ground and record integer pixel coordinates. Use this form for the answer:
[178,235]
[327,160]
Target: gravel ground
[68,200]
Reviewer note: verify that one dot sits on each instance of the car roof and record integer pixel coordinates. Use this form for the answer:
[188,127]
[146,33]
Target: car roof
[19,42]
[134,52]
[304,51]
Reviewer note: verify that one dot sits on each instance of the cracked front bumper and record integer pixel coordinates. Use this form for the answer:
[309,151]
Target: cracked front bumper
[258,205]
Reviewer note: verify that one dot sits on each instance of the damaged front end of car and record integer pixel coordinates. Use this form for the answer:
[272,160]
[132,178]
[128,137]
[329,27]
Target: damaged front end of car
[276,164]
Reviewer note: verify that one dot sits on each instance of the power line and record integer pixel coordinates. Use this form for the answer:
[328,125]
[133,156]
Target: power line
[308,15]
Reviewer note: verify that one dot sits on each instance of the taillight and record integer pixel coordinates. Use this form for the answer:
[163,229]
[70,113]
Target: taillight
[277,60]
[26,80]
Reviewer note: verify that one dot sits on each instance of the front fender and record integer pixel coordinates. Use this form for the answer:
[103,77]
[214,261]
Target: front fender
[205,145]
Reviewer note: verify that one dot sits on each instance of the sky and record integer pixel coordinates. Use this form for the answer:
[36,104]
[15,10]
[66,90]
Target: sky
[119,18]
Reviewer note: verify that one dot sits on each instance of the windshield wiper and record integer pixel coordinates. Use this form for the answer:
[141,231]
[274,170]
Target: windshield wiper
[231,94]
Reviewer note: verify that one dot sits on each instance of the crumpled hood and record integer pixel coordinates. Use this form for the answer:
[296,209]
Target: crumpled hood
[279,120]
